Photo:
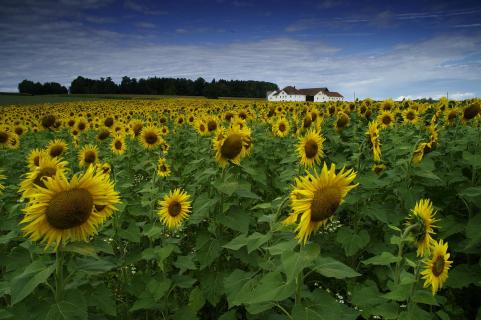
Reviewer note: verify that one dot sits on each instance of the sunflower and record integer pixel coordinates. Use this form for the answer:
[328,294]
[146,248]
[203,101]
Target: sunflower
[2,177]
[34,157]
[410,116]
[310,148]
[317,197]
[201,127]
[231,145]
[104,168]
[82,124]
[88,155]
[136,126]
[281,127]
[150,137]
[163,168]
[422,149]
[423,215]
[211,124]
[342,120]
[64,211]
[373,132]
[5,136]
[386,119]
[103,134]
[56,147]
[436,269]
[174,208]
[378,168]
[471,112]
[451,115]
[47,167]
[118,146]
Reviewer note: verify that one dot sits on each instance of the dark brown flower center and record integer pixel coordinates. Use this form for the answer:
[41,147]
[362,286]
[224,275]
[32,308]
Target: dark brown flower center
[174,209]
[151,138]
[471,111]
[90,156]
[81,126]
[438,266]
[325,203]
[36,161]
[410,115]
[56,150]
[3,137]
[104,134]
[45,172]
[232,146]
[163,168]
[69,208]
[386,120]
[19,130]
[109,122]
[452,114]
[342,121]
[211,125]
[307,122]
[282,127]
[48,121]
[137,128]
[311,148]
[118,145]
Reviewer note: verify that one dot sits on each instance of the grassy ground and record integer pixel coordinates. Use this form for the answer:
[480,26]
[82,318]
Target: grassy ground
[7,99]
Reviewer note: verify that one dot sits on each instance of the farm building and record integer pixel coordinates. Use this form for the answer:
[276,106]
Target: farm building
[310,94]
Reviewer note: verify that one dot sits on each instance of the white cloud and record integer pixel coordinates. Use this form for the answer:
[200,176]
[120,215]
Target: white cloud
[62,50]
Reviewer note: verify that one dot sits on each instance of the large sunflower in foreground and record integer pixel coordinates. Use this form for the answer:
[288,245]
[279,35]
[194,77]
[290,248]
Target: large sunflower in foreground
[310,148]
[423,215]
[70,211]
[174,208]
[436,269]
[316,198]
[47,167]
[231,144]
[88,155]
[150,137]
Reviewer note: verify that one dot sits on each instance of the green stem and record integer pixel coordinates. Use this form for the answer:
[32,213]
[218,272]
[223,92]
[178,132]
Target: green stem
[299,282]
[400,251]
[284,311]
[59,283]
[413,286]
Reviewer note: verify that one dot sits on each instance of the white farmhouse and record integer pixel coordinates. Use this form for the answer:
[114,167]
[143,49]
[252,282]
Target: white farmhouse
[310,94]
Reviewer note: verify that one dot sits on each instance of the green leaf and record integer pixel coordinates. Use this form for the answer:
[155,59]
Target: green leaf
[472,231]
[366,295]
[73,307]
[400,293]
[271,287]
[185,263]
[32,276]
[212,286]
[238,287]
[158,288]
[323,307]
[236,243]
[262,206]
[235,219]
[332,268]
[132,233]
[352,242]
[196,299]
[463,275]
[103,299]
[255,240]
[384,259]
[293,262]
[281,247]
[81,248]
[425,297]
[208,249]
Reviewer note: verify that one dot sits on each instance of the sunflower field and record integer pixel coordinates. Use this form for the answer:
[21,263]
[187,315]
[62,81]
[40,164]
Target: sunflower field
[240,209]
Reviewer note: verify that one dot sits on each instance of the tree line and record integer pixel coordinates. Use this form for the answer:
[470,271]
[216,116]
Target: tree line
[161,86]
[36,88]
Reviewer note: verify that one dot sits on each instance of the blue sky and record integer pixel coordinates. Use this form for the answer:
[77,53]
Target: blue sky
[377,49]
